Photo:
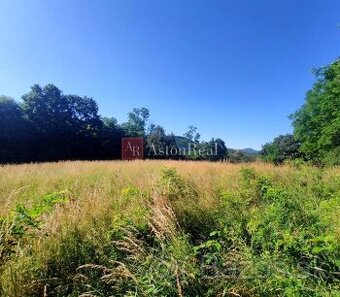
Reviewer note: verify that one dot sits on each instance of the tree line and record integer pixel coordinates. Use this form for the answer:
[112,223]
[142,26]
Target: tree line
[48,125]
[316,136]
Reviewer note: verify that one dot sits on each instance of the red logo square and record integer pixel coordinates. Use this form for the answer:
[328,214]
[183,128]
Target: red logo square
[132,148]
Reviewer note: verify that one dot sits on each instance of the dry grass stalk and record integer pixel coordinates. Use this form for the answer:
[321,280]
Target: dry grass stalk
[163,222]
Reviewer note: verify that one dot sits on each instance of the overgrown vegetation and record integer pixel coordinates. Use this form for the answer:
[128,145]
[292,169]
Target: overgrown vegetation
[156,228]
[316,124]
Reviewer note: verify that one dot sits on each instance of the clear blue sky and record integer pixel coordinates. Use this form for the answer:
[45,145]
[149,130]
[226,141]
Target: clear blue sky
[235,69]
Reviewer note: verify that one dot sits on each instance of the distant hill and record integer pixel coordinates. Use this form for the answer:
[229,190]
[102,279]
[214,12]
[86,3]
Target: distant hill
[183,142]
[242,155]
[250,151]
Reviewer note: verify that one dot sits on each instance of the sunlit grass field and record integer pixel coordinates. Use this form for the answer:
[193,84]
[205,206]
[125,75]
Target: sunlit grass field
[169,228]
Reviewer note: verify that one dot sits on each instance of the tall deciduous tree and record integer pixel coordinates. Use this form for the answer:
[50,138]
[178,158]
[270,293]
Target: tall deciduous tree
[192,134]
[10,117]
[220,149]
[284,147]
[67,125]
[137,121]
[13,131]
[317,122]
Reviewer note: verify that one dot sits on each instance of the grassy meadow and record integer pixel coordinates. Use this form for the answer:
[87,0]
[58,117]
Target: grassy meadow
[169,228]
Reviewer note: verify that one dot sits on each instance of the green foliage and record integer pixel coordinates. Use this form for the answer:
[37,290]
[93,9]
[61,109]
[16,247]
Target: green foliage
[63,124]
[219,148]
[283,148]
[110,136]
[275,244]
[192,134]
[15,134]
[51,126]
[332,157]
[265,233]
[247,174]
[239,156]
[25,221]
[10,112]
[198,220]
[213,150]
[137,121]
[317,122]
[175,186]
[159,144]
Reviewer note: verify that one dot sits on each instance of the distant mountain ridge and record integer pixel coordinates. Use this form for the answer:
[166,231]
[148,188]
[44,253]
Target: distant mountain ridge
[183,142]
[250,151]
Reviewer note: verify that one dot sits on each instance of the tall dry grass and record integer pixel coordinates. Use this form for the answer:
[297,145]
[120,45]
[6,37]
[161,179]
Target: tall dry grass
[143,228]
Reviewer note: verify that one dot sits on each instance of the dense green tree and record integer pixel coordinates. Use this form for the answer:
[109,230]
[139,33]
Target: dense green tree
[85,126]
[172,143]
[215,150]
[317,122]
[10,117]
[111,135]
[222,151]
[284,147]
[46,109]
[192,134]
[14,132]
[67,125]
[156,142]
[50,126]
[137,121]
[159,145]
[212,150]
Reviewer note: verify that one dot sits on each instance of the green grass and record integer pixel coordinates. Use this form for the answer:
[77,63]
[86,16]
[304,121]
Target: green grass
[166,228]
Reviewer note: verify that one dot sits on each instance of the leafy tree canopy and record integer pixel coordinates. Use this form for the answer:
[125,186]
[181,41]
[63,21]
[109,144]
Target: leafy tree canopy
[317,123]
[284,147]
[192,134]
[10,116]
[54,113]
[137,121]
[49,126]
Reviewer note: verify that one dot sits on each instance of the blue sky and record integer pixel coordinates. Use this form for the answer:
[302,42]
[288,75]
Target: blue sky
[235,69]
